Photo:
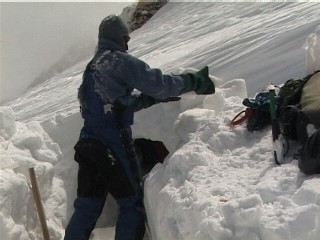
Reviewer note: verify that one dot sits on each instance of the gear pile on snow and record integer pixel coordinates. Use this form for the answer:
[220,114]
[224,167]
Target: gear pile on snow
[294,113]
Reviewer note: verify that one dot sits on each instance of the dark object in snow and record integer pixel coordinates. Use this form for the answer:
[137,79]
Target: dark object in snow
[259,106]
[293,118]
[150,153]
[277,144]
[309,155]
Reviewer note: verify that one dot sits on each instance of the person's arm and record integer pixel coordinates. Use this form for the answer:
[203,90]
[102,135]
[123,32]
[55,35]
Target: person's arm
[150,81]
[141,101]
[154,83]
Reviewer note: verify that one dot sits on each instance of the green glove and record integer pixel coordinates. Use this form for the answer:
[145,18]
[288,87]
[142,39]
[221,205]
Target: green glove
[199,82]
[148,101]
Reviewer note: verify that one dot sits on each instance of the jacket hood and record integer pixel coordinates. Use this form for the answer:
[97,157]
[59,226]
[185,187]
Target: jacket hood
[108,44]
[112,28]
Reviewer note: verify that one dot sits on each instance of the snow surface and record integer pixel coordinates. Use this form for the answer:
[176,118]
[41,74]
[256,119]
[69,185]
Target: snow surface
[218,182]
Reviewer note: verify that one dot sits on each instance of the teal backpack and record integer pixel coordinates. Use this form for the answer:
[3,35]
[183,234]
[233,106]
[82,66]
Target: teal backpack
[257,114]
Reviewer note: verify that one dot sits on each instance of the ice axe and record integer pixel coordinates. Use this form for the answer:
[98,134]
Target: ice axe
[37,198]
[276,135]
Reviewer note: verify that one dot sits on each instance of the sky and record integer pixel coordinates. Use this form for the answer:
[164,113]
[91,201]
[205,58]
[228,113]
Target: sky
[218,182]
[37,40]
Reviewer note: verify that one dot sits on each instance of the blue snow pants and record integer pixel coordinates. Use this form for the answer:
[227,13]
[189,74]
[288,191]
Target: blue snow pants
[101,171]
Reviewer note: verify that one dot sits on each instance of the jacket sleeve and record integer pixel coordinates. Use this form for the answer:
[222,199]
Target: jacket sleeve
[150,81]
[137,103]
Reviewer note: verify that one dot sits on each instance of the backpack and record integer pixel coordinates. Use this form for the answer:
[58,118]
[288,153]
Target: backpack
[257,114]
[309,155]
[260,111]
[292,119]
[298,110]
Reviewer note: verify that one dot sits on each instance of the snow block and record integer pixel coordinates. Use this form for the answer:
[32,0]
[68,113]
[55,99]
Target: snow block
[7,123]
[242,215]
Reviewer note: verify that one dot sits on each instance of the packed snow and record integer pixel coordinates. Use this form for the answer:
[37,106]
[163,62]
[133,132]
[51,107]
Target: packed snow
[218,182]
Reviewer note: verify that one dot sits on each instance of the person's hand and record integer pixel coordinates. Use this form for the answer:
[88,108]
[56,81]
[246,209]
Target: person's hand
[148,101]
[170,99]
[199,82]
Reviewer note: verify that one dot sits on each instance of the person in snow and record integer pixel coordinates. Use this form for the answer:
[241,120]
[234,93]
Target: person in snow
[105,151]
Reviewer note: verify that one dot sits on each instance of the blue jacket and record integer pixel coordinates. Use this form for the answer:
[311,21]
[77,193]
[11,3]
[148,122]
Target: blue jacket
[109,81]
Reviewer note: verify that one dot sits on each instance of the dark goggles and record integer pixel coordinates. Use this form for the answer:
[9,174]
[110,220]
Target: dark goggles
[126,38]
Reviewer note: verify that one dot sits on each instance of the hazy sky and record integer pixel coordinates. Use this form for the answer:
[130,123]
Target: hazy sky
[34,36]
